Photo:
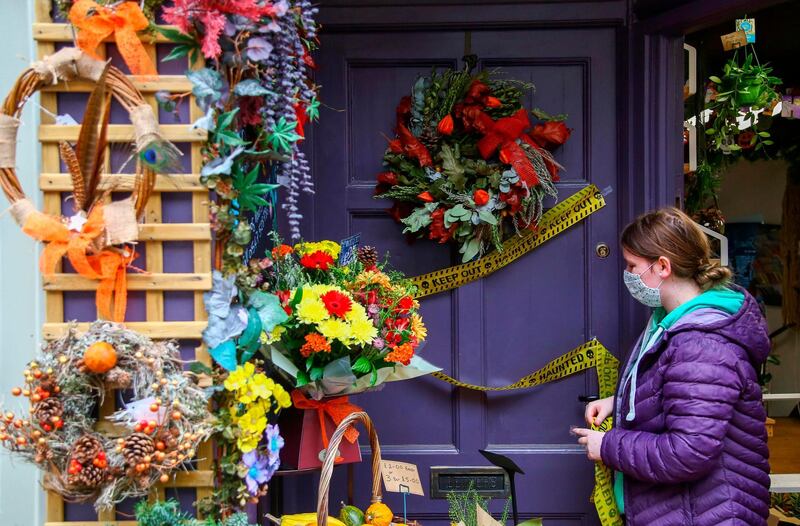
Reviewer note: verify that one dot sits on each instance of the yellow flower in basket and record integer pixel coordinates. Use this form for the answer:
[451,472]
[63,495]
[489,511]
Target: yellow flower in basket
[306,519]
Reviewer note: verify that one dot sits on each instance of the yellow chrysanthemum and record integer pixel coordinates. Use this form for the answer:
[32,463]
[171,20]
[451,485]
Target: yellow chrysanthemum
[319,289]
[311,310]
[362,331]
[329,247]
[335,330]
[418,328]
[239,377]
[356,313]
[272,337]
[247,443]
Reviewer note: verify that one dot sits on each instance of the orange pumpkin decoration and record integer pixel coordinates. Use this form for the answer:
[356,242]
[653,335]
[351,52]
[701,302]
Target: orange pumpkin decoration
[379,514]
[100,357]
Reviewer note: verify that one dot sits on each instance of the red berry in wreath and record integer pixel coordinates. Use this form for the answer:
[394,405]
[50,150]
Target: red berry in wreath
[481,197]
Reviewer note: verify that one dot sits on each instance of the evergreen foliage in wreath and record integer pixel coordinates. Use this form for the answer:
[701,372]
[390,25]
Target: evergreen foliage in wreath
[466,165]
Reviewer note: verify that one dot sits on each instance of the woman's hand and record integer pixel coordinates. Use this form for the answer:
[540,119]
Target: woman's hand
[592,440]
[599,410]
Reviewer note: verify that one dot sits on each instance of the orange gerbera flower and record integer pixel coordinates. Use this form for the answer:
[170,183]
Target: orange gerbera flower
[314,343]
[401,354]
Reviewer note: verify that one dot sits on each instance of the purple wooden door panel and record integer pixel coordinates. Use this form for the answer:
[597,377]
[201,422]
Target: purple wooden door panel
[499,329]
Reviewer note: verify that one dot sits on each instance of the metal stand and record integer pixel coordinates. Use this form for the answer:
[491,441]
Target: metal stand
[511,468]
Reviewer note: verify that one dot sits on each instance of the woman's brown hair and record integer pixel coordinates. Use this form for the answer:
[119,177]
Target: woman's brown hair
[671,233]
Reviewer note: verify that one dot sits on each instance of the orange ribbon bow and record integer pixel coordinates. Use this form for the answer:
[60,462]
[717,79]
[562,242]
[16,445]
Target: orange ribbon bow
[108,266]
[97,22]
[337,408]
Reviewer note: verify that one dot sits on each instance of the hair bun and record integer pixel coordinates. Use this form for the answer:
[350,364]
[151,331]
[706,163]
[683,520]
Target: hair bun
[710,275]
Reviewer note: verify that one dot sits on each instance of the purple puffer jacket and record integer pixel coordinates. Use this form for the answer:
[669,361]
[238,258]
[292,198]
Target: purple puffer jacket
[696,452]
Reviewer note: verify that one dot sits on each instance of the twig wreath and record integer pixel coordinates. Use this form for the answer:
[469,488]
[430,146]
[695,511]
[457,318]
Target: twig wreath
[145,441]
[96,238]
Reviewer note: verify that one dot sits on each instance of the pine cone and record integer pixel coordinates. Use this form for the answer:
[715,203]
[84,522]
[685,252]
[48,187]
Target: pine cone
[47,409]
[118,378]
[430,138]
[86,448]
[368,256]
[137,446]
[90,476]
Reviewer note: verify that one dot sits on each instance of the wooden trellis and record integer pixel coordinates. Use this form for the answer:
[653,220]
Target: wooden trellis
[153,234]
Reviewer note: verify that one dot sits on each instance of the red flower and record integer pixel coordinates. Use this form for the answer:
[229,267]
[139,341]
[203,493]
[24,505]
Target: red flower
[426,197]
[336,303]
[481,197]
[493,102]
[445,126]
[551,134]
[405,304]
[317,260]
[372,297]
[437,229]
[393,337]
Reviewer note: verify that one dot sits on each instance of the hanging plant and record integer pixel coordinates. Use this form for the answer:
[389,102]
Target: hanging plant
[742,92]
[257,96]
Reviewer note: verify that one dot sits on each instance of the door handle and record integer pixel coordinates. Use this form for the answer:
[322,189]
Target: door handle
[588,398]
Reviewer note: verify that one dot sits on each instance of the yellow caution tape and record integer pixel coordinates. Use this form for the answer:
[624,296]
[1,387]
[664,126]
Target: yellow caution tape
[590,354]
[575,208]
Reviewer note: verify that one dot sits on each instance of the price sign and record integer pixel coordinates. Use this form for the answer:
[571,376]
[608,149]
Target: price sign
[401,477]
[349,250]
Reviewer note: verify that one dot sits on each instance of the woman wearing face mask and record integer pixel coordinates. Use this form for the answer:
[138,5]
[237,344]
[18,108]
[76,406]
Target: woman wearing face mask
[689,445]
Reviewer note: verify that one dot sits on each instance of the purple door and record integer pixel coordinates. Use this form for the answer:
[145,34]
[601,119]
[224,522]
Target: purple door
[494,331]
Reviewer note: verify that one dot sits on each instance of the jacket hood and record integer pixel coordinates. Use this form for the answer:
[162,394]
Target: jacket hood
[746,327]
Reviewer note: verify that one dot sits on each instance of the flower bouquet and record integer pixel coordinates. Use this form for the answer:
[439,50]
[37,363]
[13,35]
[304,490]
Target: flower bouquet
[343,328]
[466,165]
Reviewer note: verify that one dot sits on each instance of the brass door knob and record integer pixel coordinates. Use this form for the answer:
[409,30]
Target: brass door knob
[602,250]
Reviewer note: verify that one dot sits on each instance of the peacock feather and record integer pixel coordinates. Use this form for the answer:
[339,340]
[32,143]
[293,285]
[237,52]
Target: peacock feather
[162,157]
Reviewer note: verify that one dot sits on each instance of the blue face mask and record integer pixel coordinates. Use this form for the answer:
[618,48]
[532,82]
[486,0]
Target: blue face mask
[649,296]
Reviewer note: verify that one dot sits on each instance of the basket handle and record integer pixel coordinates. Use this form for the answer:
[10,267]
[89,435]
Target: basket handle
[330,459]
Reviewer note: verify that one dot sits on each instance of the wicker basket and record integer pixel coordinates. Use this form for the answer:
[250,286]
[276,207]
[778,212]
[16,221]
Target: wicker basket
[330,459]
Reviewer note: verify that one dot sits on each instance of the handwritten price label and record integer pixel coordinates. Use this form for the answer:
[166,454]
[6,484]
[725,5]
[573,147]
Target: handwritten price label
[401,477]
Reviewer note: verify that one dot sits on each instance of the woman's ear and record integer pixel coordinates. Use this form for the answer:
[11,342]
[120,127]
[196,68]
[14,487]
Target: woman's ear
[663,267]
